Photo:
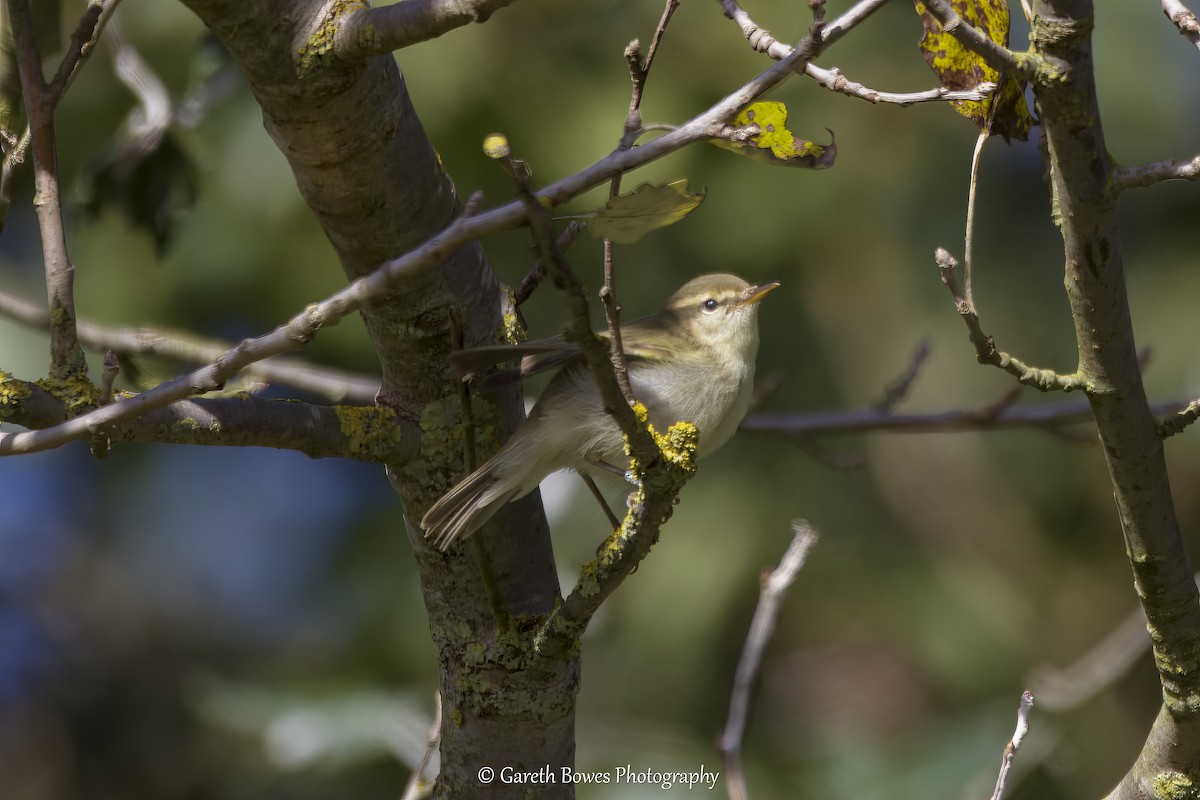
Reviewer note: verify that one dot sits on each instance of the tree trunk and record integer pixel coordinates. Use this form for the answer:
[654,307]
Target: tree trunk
[363,164]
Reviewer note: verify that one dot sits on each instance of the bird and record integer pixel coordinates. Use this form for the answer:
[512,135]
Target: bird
[693,360]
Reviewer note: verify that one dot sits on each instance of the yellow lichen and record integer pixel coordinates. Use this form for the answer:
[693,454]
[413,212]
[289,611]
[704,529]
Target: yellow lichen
[369,430]
[12,391]
[313,54]
[76,392]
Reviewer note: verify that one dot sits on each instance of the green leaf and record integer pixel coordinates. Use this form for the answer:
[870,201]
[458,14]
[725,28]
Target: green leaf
[629,217]
[774,144]
[1004,111]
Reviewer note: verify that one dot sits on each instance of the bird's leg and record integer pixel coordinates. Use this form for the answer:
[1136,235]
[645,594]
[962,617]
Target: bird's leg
[591,484]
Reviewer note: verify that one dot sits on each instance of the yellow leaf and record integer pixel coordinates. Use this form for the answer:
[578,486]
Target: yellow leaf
[774,143]
[1004,111]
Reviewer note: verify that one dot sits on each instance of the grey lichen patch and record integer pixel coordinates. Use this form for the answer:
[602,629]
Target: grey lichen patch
[500,678]
[443,432]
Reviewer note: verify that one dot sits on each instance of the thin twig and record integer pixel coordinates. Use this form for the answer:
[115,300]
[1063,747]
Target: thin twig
[1010,750]
[66,357]
[599,496]
[538,272]
[759,38]
[83,42]
[832,79]
[1181,419]
[896,391]
[1144,175]
[328,382]
[418,786]
[985,347]
[639,73]
[1184,19]
[969,237]
[774,586]
[1048,417]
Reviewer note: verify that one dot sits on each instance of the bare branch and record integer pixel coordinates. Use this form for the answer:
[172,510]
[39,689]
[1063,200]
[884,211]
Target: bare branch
[832,79]
[361,31]
[760,38]
[1184,19]
[985,348]
[538,272]
[66,357]
[1149,174]
[286,338]
[896,391]
[1179,420]
[835,81]
[83,41]
[334,384]
[639,73]
[1010,750]
[775,585]
[418,785]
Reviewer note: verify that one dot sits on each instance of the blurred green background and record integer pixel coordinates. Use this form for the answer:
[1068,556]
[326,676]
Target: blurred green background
[207,623]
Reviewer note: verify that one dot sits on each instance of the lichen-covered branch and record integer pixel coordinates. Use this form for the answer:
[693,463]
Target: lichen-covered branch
[288,337]
[1084,206]
[362,433]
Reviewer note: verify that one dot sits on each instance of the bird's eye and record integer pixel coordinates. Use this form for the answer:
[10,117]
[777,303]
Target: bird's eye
[710,305]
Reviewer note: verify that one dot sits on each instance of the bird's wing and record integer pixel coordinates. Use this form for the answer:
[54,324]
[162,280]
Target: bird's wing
[532,357]
[541,355]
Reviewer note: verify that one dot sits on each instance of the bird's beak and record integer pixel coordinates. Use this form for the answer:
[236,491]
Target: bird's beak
[756,293]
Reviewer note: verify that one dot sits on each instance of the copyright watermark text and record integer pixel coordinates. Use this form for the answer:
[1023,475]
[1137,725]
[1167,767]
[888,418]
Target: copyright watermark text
[701,778]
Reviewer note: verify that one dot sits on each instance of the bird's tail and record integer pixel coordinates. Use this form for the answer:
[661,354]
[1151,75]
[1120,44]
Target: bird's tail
[474,500]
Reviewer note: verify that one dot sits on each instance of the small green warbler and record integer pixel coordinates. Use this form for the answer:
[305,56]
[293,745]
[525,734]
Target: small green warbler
[692,360]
